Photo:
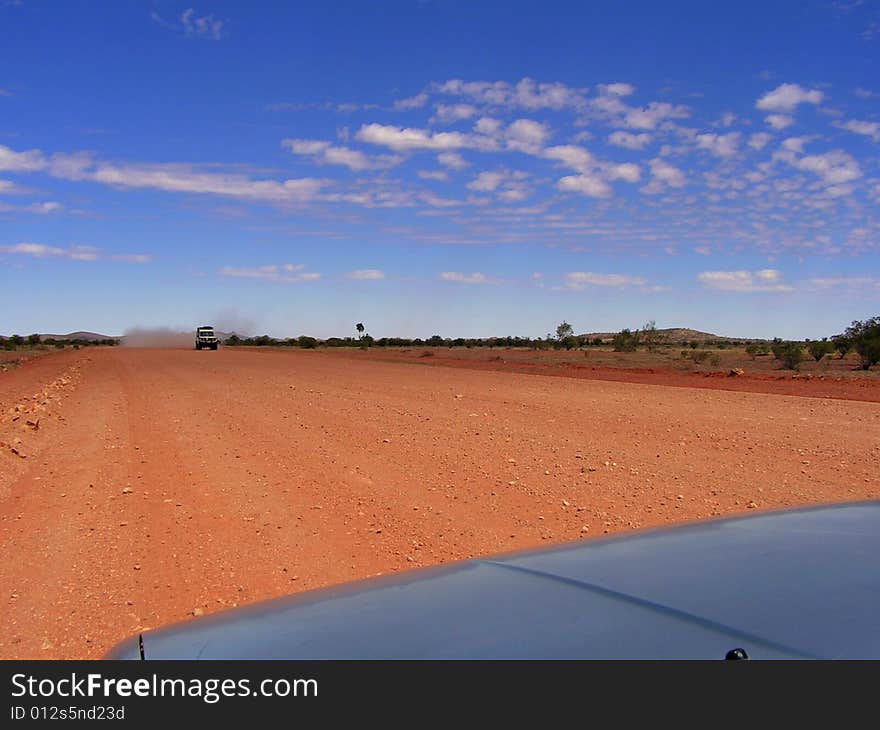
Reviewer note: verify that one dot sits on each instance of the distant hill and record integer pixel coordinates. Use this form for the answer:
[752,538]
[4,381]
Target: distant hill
[677,335]
[88,336]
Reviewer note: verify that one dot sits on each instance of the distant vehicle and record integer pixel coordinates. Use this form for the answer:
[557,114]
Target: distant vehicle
[793,584]
[206,339]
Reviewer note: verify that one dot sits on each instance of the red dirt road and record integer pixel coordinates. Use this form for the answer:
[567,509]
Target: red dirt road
[154,485]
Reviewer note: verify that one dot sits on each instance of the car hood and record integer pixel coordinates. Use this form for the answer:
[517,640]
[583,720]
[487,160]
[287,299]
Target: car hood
[799,583]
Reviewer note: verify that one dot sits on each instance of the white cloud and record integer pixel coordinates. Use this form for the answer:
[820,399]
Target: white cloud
[526,135]
[413,102]
[618,89]
[38,208]
[365,275]
[274,272]
[578,280]
[488,126]
[28,161]
[764,280]
[433,174]
[486,182]
[402,139]
[627,171]
[7,187]
[834,168]
[786,97]
[779,121]
[588,184]
[183,178]
[720,145]
[206,26]
[652,115]
[867,129]
[759,140]
[795,144]
[577,158]
[452,160]
[663,174]
[629,140]
[41,251]
[327,154]
[462,278]
[449,113]
[526,94]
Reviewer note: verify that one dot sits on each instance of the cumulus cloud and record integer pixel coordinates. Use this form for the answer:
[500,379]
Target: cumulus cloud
[786,98]
[403,139]
[779,121]
[462,278]
[663,174]
[526,94]
[651,116]
[449,113]
[590,185]
[327,154]
[578,280]
[273,272]
[720,145]
[486,182]
[413,102]
[526,135]
[764,280]
[629,140]
[626,171]
[433,175]
[618,89]
[452,160]
[365,275]
[833,168]
[867,129]
[759,140]
[28,161]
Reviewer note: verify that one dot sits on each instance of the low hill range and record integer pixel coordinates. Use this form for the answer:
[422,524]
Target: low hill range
[678,335]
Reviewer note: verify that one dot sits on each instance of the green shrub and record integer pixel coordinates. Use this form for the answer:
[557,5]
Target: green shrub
[865,338]
[790,354]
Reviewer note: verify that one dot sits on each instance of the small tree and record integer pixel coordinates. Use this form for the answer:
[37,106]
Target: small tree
[360,329]
[564,330]
[865,338]
[819,349]
[791,354]
[650,337]
[33,340]
[842,344]
[626,341]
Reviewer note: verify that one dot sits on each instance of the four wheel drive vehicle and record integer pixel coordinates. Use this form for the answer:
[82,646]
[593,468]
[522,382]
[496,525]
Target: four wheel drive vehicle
[801,583]
[205,338]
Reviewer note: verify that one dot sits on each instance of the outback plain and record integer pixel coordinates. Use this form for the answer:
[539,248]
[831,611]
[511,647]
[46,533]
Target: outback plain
[140,487]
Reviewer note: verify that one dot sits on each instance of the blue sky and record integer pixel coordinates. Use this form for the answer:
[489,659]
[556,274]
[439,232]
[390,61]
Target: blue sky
[461,168]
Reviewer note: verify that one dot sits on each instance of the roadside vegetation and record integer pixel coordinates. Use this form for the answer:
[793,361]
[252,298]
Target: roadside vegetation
[858,345]
[17,342]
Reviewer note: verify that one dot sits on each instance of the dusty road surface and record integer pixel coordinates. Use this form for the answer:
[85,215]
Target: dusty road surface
[141,487]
